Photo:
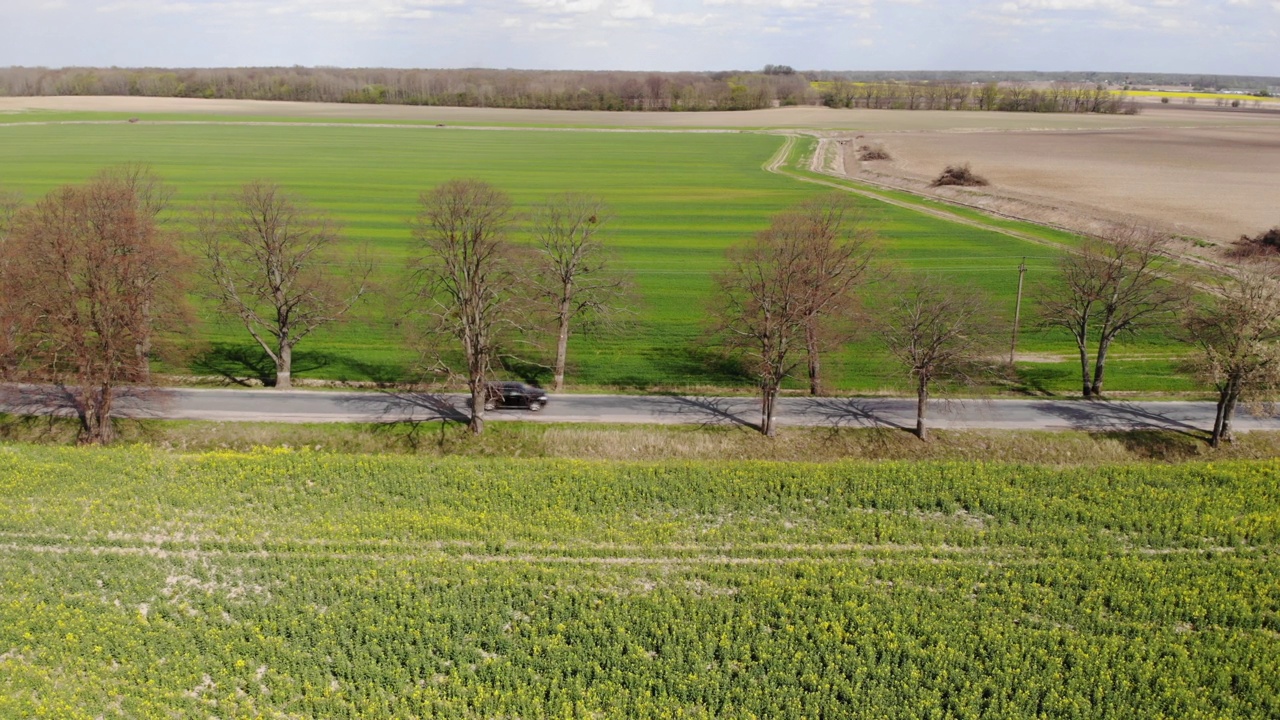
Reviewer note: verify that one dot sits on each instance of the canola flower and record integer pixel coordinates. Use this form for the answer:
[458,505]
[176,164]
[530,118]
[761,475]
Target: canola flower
[283,584]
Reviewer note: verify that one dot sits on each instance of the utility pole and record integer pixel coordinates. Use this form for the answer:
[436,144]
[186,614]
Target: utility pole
[1017,310]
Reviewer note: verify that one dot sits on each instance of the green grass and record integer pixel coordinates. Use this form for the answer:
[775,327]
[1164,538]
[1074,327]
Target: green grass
[594,441]
[680,200]
[148,584]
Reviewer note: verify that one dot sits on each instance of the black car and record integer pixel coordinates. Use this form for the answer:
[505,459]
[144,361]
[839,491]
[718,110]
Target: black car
[514,394]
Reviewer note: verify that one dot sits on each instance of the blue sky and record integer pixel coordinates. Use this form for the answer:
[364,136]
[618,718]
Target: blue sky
[1224,37]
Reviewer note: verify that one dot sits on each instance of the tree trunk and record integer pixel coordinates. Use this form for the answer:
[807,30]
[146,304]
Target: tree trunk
[922,404]
[1228,413]
[284,367]
[1227,399]
[815,362]
[562,346]
[476,423]
[1215,437]
[767,400]
[143,346]
[95,415]
[1082,344]
[1100,367]
[1086,381]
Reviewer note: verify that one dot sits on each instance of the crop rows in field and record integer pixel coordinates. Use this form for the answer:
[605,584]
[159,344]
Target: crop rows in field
[296,584]
[679,200]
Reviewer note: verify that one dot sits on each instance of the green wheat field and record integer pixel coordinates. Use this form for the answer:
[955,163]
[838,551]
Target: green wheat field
[679,199]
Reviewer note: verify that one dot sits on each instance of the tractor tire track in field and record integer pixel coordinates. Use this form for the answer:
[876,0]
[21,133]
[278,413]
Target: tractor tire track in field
[574,553]
[739,556]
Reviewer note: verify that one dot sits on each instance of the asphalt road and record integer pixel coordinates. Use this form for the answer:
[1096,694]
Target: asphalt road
[395,406]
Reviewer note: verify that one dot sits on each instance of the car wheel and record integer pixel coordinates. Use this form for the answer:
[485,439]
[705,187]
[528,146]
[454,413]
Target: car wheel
[489,405]
[535,406]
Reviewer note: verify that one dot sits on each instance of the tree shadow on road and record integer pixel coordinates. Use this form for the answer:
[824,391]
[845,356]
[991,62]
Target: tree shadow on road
[840,413]
[393,406]
[706,411]
[1106,416]
[392,410]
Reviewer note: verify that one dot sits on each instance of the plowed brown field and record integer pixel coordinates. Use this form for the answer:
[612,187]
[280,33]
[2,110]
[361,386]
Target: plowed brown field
[1207,179]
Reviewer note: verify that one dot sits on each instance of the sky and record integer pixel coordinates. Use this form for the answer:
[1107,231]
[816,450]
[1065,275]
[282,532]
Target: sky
[1229,37]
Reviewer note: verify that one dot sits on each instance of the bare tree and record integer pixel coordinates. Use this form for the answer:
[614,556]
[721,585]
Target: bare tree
[938,331]
[274,263]
[1238,333]
[836,241]
[1112,285]
[466,275]
[575,273]
[762,307]
[153,197]
[91,274]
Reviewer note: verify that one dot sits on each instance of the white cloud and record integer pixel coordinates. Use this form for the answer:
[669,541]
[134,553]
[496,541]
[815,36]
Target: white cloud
[685,19]
[564,6]
[1210,36]
[633,9]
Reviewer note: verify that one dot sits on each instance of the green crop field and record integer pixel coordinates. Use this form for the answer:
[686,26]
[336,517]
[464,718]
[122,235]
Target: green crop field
[679,199]
[144,584]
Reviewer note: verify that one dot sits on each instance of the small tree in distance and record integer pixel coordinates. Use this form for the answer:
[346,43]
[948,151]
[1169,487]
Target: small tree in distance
[465,277]
[574,272]
[938,331]
[273,263]
[1238,333]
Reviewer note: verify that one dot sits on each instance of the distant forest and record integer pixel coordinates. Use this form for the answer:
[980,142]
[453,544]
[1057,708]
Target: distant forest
[773,86]
[1116,80]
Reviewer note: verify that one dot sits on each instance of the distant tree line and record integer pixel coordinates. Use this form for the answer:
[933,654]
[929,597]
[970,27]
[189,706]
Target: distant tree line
[524,89]
[1116,79]
[775,85]
[1055,98]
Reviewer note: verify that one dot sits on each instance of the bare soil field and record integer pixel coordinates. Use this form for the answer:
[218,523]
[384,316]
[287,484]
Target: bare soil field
[801,118]
[1202,180]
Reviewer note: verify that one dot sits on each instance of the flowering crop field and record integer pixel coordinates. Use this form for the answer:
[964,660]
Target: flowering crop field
[285,584]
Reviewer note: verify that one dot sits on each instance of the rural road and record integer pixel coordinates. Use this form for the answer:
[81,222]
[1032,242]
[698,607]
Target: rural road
[396,406]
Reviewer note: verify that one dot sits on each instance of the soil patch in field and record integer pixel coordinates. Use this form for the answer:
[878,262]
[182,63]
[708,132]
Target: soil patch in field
[1216,183]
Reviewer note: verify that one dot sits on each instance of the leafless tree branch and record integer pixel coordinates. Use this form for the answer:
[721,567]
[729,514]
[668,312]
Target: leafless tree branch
[273,262]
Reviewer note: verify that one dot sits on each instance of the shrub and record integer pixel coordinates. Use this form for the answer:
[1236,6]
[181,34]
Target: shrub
[873,152]
[959,175]
[1263,244]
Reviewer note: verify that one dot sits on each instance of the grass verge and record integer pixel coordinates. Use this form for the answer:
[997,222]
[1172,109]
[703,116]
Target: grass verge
[664,442]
